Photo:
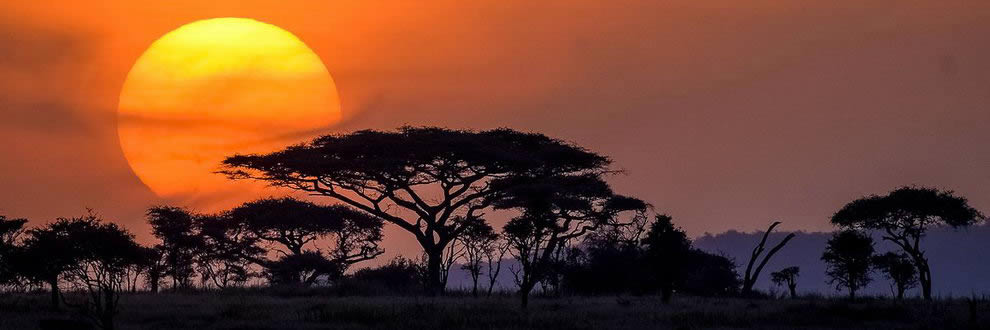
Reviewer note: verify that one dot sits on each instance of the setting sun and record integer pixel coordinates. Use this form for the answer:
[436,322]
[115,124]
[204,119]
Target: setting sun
[213,88]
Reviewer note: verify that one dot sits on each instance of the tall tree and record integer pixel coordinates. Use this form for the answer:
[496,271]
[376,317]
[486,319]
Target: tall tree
[555,211]
[296,226]
[176,228]
[904,216]
[899,268]
[667,250]
[750,276]
[848,259]
[787,277]
[421,179]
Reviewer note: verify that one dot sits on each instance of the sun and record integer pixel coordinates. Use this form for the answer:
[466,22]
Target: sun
[213,88]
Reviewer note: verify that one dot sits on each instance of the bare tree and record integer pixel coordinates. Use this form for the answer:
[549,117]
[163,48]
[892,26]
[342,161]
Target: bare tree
[750,276]
[494,255]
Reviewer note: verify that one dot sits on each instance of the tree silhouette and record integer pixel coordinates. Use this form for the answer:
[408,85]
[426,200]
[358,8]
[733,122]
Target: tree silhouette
[750,276]
[898,268]
[155,266]
[494,254]
[787,277]
[422,179]
[556,210]
[103,252]
[49,243]
[222,259]
[176,228]
[848,255]
[295,225]
[903,217]
[477,240]
[667,249]
[10,233]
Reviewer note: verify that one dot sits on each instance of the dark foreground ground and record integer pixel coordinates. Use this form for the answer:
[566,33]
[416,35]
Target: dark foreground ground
[257,311]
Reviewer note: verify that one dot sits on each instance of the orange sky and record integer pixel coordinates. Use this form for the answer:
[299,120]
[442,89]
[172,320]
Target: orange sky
[724,113]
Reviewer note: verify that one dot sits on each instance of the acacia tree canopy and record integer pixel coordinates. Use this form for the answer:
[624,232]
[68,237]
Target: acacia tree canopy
[422,179]
[904,215]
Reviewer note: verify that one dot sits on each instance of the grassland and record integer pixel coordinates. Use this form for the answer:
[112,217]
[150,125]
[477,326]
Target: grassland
[253,310]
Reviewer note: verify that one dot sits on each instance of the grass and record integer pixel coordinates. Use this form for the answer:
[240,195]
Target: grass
[256,311]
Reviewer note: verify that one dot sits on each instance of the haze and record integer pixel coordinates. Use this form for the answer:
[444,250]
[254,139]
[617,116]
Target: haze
[724,114]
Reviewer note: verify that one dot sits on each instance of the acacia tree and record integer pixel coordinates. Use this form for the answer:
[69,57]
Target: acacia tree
[903,217]
[103,252]
[296,226]
[225,244]
[421,179]
[898,268]
[477,241]
[50,243]
[10,233]
[848,255]
[787,277]
[556,210]
[667,252]
[180,242]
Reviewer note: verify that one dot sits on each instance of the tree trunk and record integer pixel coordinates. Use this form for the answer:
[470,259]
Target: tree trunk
[474,289]
[900,292]
[852,294]
[434,277]
[666,293]
[524,290]
[925,277]
[55,294]
[793,288]
[154,284]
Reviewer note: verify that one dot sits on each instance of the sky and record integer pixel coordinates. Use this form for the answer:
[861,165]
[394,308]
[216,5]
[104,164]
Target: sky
[725,114]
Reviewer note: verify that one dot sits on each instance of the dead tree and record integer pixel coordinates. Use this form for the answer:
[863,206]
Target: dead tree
[749,278]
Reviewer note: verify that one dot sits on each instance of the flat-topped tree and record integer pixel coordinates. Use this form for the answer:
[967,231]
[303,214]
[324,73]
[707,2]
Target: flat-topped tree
[296,225]
[903,217]
[422,179]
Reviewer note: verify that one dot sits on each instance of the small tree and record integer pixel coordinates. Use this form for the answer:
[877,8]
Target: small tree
[750,276]
[848,255]
[903,217]
[180,242]
[296,226]
[227,246]
[155,266]
[52,244]
[477,241]
[494,255]
[556,210]
[667,249]
[787,277]
[898,268]
[103,253]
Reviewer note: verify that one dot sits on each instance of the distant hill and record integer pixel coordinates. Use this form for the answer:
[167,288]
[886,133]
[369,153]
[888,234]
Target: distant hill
[960,261]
